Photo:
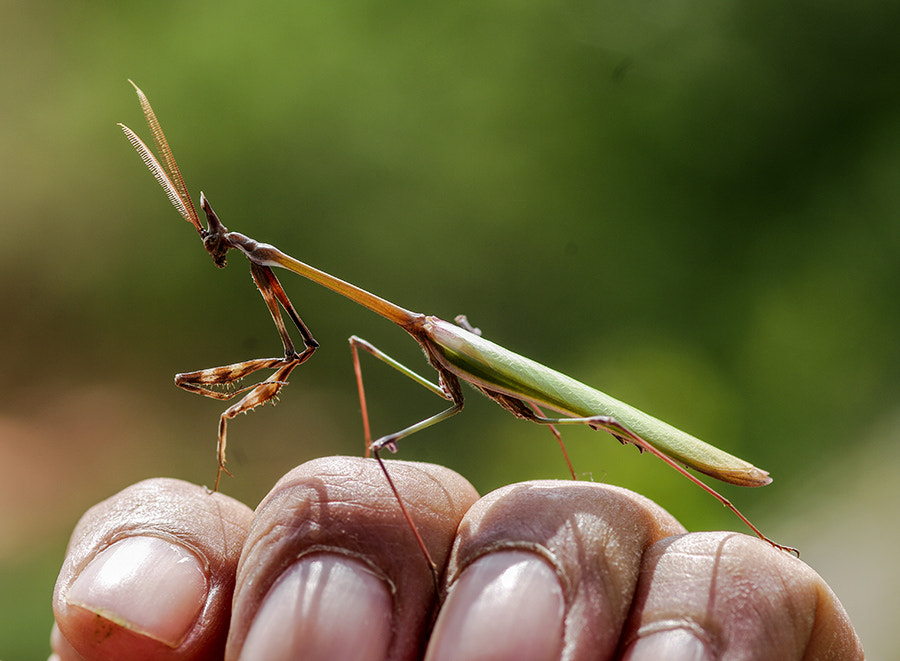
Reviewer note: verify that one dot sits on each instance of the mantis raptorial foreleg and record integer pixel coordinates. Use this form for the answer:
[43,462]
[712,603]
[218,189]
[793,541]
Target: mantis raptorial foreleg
[210,382]
[205,382]
[273,294]
[220,382]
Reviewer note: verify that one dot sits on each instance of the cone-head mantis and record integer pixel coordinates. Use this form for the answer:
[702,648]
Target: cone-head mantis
[456,351]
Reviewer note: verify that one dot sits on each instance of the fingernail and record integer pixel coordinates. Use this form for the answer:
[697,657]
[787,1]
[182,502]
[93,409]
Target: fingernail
[508,604]
[675,644]
[323,607]
[146,584]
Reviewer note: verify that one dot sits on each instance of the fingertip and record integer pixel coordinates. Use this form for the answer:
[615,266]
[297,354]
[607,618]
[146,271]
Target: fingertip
[737,593]
[60,648]
[150,571]
[344,507]
[591,537]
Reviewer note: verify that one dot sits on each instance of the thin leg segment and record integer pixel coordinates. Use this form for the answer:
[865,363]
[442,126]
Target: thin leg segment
[448,389]
[432,566]
[273,294]
[558,437]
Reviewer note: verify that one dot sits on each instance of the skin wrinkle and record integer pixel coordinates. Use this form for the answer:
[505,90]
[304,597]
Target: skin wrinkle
[225,522]
[609,568]
[221,523]
[752,597]
[603,591]
[648,573]
[132,525]
[753,605]
[420,502]
[416,500]
[711,601]
[822,619]
[133,518]
[803,629]
[430,504]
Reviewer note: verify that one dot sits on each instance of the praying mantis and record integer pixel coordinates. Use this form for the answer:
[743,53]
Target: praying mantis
[457,352]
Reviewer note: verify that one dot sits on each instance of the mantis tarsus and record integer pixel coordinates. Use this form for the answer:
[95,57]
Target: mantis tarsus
[457,352]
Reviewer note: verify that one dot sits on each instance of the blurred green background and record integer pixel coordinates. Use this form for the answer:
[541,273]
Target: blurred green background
[691,207]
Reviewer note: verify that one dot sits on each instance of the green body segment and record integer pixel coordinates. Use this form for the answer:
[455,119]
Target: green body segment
[489,365]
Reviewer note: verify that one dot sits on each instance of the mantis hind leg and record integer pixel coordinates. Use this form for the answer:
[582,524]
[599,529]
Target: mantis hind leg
[625,435]
[558,437]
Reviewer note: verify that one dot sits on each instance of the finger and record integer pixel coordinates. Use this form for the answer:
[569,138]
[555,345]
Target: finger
[149,573]
[723,594]
[332,569]
[542,567]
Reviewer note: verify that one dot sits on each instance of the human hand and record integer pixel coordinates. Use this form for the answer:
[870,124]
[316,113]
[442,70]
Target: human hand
[328,568]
